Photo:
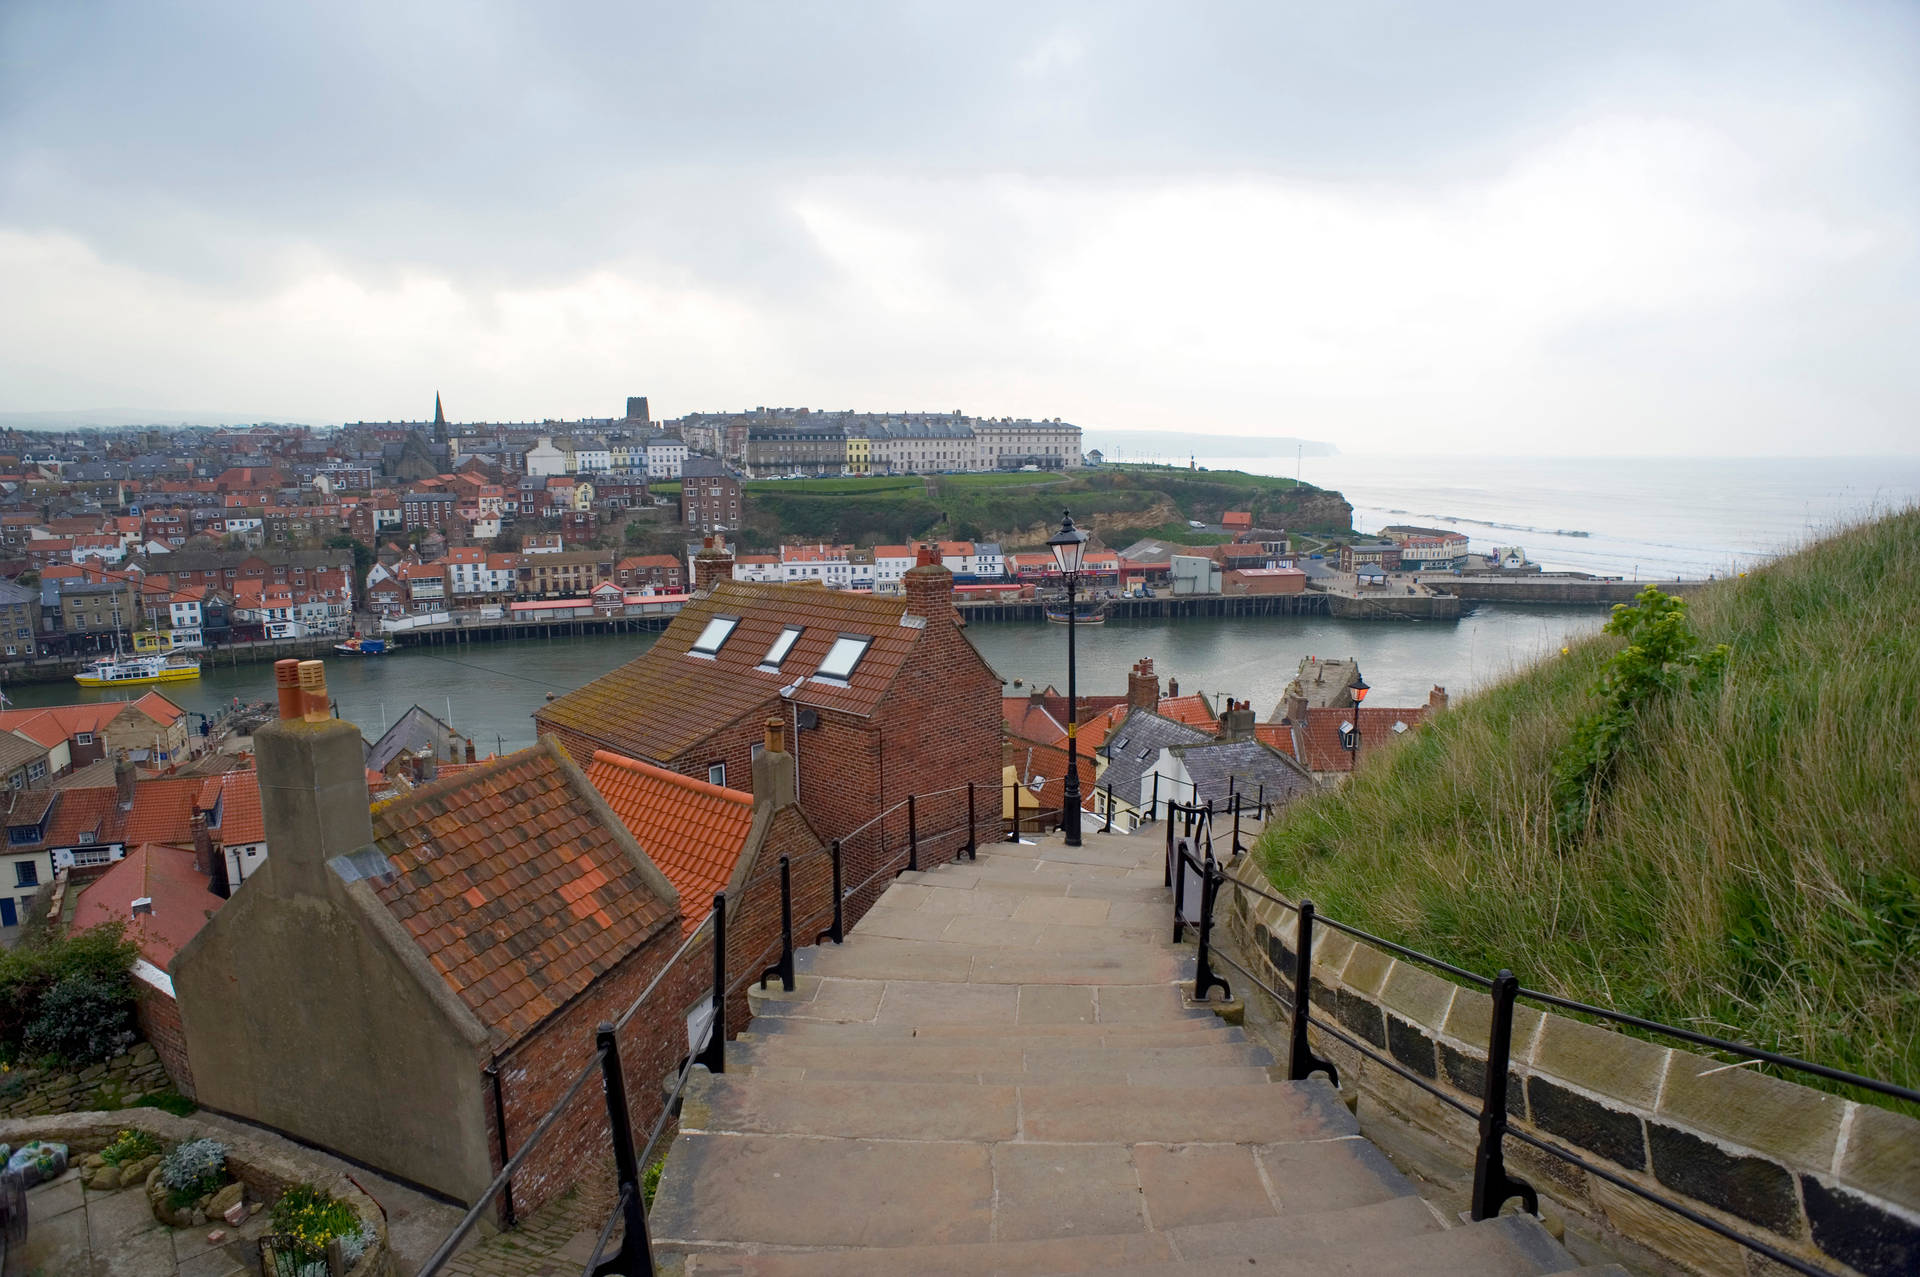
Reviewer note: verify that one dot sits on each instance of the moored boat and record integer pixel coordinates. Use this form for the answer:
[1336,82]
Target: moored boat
[116,671]
[359,645]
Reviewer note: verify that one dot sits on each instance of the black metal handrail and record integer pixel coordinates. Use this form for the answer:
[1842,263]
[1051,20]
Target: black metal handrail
[1492,1185]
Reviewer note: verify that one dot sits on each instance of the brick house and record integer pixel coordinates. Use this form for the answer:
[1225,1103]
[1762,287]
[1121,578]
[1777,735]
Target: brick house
[410,972]
[883,697]
[709,495]
[661,571]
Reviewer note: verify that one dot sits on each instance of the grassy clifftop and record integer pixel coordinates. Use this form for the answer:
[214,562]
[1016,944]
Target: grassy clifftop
[1754,870]
[1119,502]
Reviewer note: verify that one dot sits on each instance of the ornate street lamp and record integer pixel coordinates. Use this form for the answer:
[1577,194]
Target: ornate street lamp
[1069,546]
[1358,689]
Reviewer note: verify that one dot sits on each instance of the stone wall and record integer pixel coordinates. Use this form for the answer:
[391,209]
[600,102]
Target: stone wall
[1812,1174]
[29,1092]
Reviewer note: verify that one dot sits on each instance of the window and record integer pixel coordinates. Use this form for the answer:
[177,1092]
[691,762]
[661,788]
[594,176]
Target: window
[715,635]
[92,856]
[26,873]
[716,773]
[844,656]
[781,646]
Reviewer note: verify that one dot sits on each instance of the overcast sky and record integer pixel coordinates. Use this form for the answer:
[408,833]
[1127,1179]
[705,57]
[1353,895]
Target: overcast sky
[1542,228]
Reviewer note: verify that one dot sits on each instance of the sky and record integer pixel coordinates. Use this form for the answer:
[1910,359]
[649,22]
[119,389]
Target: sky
[1665,228]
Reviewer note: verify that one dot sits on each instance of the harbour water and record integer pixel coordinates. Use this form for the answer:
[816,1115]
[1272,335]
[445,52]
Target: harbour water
[1667,517]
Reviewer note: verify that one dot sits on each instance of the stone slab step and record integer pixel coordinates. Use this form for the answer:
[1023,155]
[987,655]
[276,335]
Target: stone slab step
[915,1053]
[1057,1112]
[1197,1075]
[980,1259]
[925,1003]
[900,923]
[1175,1034]
[1511,1246]
[885,958]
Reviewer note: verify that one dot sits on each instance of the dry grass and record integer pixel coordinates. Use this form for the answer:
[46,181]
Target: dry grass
[1756,870]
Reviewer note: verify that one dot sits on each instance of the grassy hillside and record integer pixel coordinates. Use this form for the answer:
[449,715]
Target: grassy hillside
[1754,870]
[1118,501]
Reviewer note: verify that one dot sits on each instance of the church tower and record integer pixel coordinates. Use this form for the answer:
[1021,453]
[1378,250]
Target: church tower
[439,420]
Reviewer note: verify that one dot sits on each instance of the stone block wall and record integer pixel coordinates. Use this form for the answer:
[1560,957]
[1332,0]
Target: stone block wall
[28,1091]
[1812,1174]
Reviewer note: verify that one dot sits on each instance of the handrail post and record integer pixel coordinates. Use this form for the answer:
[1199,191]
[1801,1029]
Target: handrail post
[1181,855]
[1109,828]
[784,967]
[1301,1061]
[714,1054]
[837,932]
[1169,849]
[973,850]
[636,1250]
[1263,800]
[1237,848]
[1013,826]
[1492,1186]
[913,838]
[1204,979]
[1153,812]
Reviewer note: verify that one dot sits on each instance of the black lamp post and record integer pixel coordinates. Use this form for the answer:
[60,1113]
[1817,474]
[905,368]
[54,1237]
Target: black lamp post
[1069,546]
[1358,689]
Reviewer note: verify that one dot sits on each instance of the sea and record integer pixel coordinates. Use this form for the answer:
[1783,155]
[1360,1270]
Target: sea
[1646,519]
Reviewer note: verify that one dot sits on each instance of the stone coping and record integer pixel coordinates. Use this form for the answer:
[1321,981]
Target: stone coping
[1811,1173]
[266,1172]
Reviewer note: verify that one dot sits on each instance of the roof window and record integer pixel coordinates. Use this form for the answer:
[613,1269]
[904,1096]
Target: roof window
[782,645]
[715,636]
[844,656]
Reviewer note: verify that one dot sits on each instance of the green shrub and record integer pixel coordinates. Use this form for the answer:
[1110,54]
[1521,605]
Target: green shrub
[168,1102]
[83,1020]
[193,1170]
[30,972]
[129,1146]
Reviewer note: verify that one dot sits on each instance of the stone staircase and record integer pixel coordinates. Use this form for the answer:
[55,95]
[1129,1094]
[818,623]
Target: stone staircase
[997,1074]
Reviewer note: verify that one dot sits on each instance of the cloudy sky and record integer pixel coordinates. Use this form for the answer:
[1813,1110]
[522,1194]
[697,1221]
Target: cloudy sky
[1543,228]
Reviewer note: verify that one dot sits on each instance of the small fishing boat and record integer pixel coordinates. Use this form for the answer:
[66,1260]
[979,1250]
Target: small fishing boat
[1085,614]
[117,671]
[361,646]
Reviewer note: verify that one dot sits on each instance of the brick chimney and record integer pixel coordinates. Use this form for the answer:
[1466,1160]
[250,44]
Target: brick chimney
[1143,685]
[929,586]
[775,776]
[313,784]
[1237,722]
[123,777]
[712,565]
[1173,687]
[1297,706]
[1436,699]
[202,843]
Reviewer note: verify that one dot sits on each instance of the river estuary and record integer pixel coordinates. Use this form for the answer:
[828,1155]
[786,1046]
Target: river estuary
[490,690]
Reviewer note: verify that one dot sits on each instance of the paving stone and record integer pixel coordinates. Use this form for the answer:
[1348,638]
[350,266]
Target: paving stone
[1172,1115]
[1194,1184]
[1123,1004]
[1330,1175]
[936,1002]
[1317,1231]
[1000,1259]
[1062,910]
[1056,1004]
[57,1246]
[1063,1190]
[864,1110]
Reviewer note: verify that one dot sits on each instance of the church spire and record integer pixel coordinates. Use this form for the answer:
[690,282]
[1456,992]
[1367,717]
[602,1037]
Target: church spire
[439,420]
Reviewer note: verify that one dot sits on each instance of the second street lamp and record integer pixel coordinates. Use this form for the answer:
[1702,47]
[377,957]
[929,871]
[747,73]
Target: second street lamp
[1358,689]
[1069,546]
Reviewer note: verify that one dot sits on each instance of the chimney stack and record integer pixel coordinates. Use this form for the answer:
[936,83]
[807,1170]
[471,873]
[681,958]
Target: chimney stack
[123,778]
[1237,722]
[776,777]
[202,843]
[1436,699]
[313,787]
[1297,706]
[1143,685]
[929,586]
[1173,687]
[712,565]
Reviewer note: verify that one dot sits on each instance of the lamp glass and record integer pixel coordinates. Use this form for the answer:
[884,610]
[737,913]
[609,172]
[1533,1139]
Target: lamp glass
[1359,689]
[1069,545]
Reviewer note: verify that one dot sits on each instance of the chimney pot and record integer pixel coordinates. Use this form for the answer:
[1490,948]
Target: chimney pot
[1437,698]
[313,691]
[286,678]
[776,735]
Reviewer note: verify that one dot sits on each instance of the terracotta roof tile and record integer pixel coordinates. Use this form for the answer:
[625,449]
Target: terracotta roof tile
[692,830]
[162,811]
[563,895]
[240,817]
[667,700]
[1191,710]
[1320,742]
[182,902]
[1029,721]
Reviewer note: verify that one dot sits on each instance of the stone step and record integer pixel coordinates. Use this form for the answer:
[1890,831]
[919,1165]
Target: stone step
[924,1003]
[1177,1033]
[904,1057]
[884,958]
[1054,1113]
[1171,1075]
[1010,932]
[1511,1246]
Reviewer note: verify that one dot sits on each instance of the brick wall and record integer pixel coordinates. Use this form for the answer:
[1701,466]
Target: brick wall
[1809,1172]
[159,1018]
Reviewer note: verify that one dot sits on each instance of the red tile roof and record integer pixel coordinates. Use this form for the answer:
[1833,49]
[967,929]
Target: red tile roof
[1317,743]
[518,886]
[165,875]
[240,818]
[667,700]
[65,720]
[159,709]
[1030,721]
[162,811]
[1048,763]
[692,830]
[1192,710]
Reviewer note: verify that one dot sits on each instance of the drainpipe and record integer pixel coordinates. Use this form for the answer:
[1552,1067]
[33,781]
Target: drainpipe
[500,1128]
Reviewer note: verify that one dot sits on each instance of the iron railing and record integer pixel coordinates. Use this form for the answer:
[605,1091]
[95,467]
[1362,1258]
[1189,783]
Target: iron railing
[1493,1185]
[634,1257]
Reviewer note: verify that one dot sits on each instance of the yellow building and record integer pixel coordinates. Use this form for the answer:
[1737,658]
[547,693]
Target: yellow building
[859,455]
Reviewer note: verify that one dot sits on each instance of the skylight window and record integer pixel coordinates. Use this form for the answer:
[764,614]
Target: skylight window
[844,656]
[781,646]
[715,635]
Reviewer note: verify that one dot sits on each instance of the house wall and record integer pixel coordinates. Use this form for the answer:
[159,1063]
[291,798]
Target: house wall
[158,1016]
[1812,1173]
[306,1007]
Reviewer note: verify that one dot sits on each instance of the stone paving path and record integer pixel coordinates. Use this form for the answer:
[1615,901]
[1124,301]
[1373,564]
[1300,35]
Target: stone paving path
[74,1232]
[998,1073]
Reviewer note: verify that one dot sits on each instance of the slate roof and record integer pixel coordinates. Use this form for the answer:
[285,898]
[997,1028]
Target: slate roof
[182,901]
[17,750]
[517,885]
[666,700]
[1136,742]
[413,731]
[1219,768]
[694,831]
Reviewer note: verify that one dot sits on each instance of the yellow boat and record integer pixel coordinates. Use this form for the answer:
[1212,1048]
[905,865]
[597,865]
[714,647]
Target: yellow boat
[117,671]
